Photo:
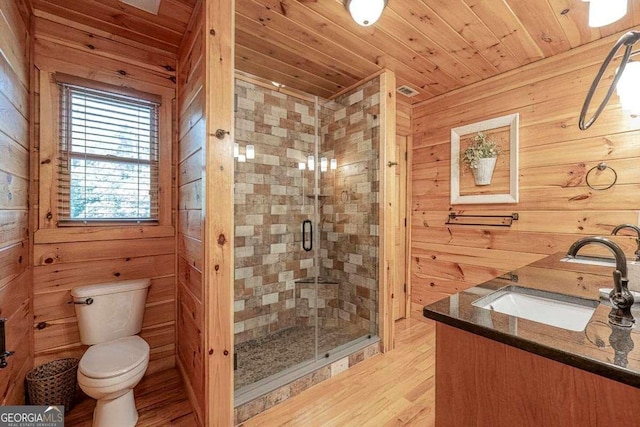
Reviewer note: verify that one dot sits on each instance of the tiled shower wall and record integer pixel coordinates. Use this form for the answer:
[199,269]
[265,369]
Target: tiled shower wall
[273,197]
[271,201]
[349,208]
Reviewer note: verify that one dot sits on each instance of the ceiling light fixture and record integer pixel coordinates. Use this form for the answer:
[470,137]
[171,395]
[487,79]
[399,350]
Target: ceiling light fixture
[365,12]
[605,12]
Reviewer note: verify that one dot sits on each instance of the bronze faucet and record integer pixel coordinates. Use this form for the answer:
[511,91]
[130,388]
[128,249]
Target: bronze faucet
[620,296]
[635,228]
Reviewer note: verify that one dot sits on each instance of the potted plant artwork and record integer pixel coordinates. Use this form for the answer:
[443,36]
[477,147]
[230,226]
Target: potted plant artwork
[481,156]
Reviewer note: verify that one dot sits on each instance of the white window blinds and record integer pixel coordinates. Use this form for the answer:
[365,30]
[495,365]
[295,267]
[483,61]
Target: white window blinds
[108,157]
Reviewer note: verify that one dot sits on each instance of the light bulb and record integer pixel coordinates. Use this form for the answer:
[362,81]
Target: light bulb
[251,152]
[323,164]
[628,89]
[334,164]
[366,12]
[311,163]
[302,166]
[605,12]
[236,150]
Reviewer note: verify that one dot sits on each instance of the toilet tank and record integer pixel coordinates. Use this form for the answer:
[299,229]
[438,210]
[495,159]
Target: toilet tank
[115,311]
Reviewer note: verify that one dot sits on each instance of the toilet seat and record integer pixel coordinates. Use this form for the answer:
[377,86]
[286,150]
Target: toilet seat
[114,358]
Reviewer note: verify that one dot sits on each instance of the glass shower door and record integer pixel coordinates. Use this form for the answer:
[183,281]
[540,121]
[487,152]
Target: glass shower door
[349,214]
[275,313]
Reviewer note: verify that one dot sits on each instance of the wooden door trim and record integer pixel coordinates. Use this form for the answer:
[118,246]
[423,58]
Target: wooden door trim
[218,35]
[386,235]
[408,216]
[400,222]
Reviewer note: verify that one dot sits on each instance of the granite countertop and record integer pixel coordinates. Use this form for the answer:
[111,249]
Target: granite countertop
[601,348]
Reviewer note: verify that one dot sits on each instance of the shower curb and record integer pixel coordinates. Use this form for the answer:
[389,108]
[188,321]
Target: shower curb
[254,407]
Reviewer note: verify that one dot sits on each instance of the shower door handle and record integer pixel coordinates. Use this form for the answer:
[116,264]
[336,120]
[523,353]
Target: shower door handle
[307,228]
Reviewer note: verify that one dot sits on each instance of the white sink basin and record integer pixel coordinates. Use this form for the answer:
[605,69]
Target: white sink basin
[633,270]
[590,260]
[561,311]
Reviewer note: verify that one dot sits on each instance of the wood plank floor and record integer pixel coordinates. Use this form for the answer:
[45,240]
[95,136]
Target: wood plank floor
[393,389]
[160,398]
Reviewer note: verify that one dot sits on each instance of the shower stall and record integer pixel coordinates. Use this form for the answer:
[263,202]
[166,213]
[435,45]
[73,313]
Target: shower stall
[306,231]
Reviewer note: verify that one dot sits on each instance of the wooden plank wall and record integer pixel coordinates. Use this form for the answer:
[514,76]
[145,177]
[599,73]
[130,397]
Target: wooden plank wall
[15,273]
[68,257]
[403,118]
[556,207]
[404,114]
[191,138]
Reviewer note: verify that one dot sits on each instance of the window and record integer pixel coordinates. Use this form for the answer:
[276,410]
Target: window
[108,164]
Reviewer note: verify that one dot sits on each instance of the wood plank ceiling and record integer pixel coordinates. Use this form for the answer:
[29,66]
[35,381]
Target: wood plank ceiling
[434,46]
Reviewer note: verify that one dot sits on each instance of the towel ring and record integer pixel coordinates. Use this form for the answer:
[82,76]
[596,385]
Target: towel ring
[602,167]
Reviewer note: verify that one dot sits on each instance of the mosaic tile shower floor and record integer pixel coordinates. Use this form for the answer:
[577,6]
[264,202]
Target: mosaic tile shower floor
[263,357]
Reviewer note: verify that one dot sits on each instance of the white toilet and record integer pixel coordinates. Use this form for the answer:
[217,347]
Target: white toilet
[109,317]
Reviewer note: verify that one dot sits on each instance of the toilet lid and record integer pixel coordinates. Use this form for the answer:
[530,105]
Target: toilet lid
[114,358]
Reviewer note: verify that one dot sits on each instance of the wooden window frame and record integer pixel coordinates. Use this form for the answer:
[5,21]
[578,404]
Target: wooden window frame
[65,147]
[48,230]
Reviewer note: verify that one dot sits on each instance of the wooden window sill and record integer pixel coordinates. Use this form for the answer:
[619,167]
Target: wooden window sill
[86,234]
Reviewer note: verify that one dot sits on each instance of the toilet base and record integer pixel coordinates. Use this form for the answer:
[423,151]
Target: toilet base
[120,412]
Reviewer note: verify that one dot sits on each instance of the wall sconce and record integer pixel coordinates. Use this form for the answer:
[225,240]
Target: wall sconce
[367,12]
[242,158]
[628,88]
[311,163]
[251,152]
[236,150]
[334,164]
[605,12]
[302,166]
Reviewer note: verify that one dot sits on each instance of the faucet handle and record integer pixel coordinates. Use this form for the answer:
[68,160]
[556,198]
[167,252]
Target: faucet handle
[620,296]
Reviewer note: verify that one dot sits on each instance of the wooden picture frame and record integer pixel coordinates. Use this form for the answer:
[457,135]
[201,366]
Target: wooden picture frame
[504,188]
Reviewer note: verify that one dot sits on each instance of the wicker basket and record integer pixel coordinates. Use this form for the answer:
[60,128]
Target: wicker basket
[53,383]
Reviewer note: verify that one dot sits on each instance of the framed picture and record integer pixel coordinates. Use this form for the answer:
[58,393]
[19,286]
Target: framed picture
[484,161]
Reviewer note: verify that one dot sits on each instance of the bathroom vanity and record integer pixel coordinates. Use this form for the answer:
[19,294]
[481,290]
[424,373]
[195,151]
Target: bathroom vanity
[494,367]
